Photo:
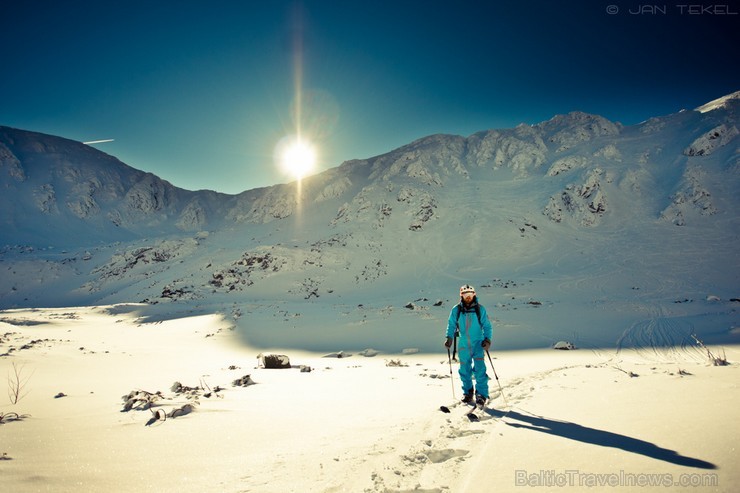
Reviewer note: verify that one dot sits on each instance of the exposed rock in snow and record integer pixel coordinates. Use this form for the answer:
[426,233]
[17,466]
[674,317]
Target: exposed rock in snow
[80,199]
[364,208]
[45,199]
[84,206]
[712,140]
[521,150]
[115,218]
[419,170]
[193,217]
[372,271]
[585,203]
[423,214]
[405,194]
[428,160]
[140,262]
[692,195]
[239,211]
[276,202]
[11,164]
[334,189]
[238,275]
[567,131]
[564,345]
[274,361]
[148,195]
[609,152]
[568,163]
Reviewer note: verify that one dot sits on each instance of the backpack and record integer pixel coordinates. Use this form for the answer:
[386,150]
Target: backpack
[457,330]
[459,311]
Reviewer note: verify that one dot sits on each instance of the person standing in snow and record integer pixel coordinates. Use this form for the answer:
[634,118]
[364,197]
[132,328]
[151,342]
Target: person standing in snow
[470,320]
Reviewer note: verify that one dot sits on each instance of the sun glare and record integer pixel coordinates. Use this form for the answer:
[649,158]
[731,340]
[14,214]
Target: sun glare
[298,158]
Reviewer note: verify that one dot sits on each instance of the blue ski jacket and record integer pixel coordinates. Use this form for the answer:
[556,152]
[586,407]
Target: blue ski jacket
[472,331]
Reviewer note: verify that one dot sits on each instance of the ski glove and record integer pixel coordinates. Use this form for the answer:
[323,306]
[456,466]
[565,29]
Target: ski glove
[486,344]
[448,342]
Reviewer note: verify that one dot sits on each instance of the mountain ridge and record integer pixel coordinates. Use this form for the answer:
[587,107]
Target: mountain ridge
[576,215]
[82,183]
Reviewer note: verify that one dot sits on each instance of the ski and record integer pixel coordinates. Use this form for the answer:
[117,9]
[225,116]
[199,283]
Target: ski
[473,414]
[468,408]
[471,410]
[478,411]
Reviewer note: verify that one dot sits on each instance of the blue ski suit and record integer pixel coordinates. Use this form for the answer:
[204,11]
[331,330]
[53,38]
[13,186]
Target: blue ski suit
[470,349]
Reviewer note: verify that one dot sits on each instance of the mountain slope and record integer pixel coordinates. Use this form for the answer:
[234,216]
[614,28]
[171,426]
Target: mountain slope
[574,228]
[58,191]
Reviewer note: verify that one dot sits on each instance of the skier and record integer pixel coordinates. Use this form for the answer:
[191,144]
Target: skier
[470,320]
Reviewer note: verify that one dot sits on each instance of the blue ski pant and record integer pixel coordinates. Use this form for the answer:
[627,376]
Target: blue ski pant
[472,364]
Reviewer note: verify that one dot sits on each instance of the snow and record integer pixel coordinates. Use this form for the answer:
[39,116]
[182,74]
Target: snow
[619,240]
[356,423]
[719,102]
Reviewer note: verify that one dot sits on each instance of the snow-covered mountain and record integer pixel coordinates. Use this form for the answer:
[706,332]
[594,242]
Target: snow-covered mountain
[62,192]
[577,227]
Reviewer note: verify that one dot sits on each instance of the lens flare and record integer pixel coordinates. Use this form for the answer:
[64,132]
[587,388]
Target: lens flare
[297,157]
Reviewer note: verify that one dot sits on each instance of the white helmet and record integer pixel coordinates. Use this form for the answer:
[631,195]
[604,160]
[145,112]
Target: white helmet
[467,288]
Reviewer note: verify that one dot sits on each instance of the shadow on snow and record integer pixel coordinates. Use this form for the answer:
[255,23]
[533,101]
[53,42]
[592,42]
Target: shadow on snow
[602,438]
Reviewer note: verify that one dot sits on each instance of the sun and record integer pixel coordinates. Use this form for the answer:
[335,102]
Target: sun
[297,157]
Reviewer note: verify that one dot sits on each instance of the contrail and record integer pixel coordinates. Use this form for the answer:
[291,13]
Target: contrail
[98,141]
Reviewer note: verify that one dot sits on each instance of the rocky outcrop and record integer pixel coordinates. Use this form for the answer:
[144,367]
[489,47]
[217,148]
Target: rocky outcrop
[692,196]
[10,164]
[709,142]
[583,203]
[568,131]
[521,150]
[427,161]
[193,217]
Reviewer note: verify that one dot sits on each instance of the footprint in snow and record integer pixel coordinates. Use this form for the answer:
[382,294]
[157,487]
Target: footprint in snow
[437,456]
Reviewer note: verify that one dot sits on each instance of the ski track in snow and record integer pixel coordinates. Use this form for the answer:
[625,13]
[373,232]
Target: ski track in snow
[661,338]
[451,454]
[452,447]
[419,449]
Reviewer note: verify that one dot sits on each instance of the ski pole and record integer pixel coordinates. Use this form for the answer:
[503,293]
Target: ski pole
[452,383]
[497,380]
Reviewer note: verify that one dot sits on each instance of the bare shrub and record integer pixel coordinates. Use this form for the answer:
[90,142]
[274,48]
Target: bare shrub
[716,360]
[395,363]
[630,373]
[17,384]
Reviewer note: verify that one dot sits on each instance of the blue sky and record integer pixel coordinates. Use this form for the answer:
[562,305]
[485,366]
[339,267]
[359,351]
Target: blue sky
[200,93]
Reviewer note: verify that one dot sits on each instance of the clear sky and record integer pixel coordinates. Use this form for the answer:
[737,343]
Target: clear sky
[201,92]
